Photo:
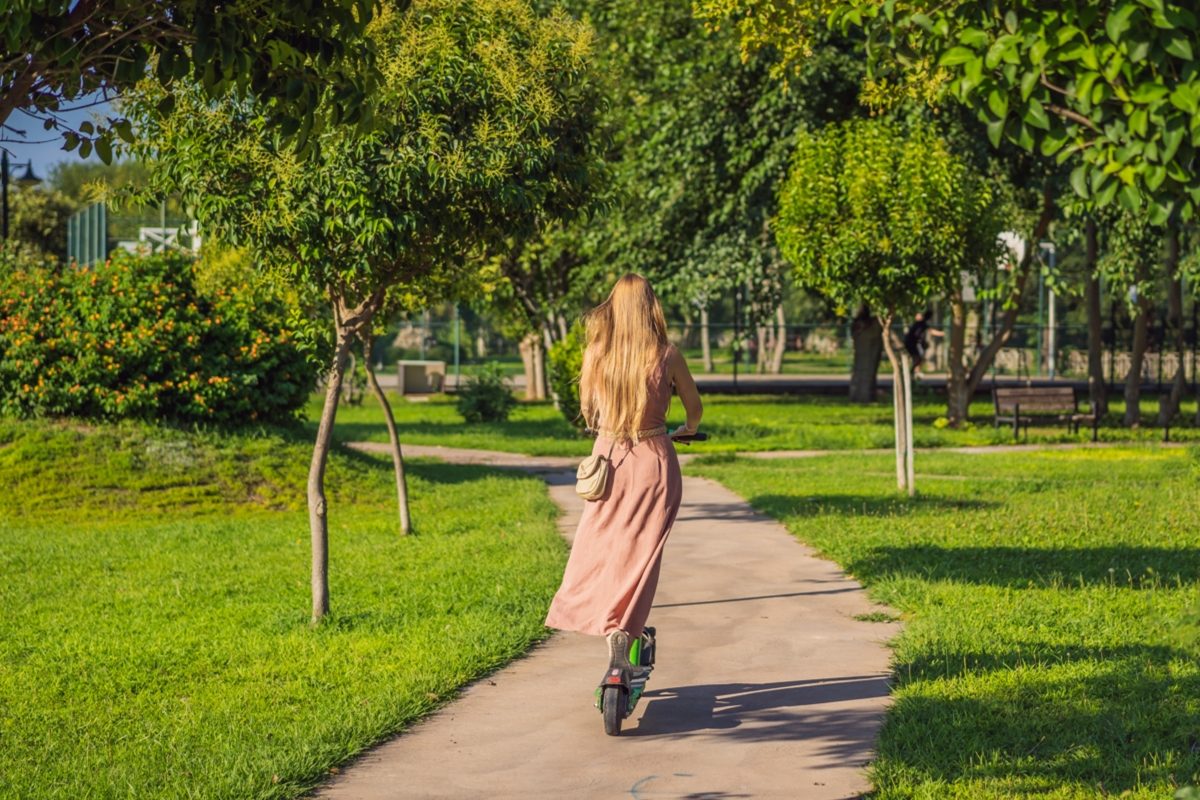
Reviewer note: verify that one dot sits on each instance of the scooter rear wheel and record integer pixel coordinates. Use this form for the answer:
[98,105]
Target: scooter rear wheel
[613,703]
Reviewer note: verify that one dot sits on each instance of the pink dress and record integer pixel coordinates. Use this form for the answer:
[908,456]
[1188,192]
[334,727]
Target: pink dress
[612,572]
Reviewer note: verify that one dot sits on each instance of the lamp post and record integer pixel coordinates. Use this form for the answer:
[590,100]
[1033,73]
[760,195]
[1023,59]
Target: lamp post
[28,179]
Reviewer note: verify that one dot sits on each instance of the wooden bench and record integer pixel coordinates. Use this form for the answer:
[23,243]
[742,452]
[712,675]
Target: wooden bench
[1019,406]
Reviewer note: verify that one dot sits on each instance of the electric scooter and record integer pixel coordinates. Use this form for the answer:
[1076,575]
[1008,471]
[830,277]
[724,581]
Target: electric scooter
[619,692]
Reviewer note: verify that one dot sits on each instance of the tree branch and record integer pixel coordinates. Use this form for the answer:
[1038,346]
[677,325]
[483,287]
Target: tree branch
[1073,116]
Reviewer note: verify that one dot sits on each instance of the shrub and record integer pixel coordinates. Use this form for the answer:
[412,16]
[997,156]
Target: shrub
[565,360]
[135,338]
[486,396]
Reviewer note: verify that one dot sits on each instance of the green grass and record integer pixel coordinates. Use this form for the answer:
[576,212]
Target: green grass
[1041,593]
[736,422]
[155,640]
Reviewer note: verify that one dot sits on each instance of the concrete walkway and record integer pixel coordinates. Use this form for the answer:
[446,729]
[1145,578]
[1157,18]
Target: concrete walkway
[766,686]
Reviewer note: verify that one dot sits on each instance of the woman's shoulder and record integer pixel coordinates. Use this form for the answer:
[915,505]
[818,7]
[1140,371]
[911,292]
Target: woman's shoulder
[672,359]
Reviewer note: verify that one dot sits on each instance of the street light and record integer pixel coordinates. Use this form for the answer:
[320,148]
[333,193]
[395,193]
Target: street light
[28,179]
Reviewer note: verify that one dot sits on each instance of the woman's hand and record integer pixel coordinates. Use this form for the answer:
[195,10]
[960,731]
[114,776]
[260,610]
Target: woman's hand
[682,430]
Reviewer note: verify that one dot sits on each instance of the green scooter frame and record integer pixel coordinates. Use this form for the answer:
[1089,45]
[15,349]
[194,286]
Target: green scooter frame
[618,694]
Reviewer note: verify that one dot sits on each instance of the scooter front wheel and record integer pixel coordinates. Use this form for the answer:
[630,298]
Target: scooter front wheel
[613,703]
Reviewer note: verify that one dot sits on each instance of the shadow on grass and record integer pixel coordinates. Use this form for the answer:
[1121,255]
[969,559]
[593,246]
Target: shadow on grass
[1127,723]
[1119,566]
[514,429]
[926,666]
[783,506]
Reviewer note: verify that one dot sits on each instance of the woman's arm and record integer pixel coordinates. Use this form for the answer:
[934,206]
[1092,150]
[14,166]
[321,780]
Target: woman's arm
[685,387]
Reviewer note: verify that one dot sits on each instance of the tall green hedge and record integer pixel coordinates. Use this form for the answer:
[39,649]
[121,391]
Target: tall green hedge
[135,338]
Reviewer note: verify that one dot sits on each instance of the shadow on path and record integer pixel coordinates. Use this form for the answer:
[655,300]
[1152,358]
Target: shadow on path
[781,711]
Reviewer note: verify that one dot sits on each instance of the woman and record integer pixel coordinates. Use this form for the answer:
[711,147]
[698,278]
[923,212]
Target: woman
[629,371]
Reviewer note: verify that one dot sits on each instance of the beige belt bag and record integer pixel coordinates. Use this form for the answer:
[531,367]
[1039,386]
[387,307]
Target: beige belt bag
[591,479]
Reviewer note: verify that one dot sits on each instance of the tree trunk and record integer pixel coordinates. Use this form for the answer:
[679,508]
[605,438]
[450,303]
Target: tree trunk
[984,362]
[689,331]
[347,325]
[1133,381]
[910,478]
[1170,407]
[899,405]
[780,341]
[317,517]
[760,357]
[958,396]
[705,342]
[867,335]
[393,438]
[1097,386]
[531,354]
[348,385]
[539,370]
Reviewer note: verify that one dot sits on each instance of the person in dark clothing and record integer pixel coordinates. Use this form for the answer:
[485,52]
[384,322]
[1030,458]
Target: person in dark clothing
[914,339]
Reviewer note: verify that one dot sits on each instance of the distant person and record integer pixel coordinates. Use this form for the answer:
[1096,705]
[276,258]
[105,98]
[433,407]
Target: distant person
[914,340]
[629,373]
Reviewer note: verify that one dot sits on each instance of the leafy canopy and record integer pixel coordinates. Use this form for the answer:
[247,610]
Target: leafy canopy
[484,114]
[871,212]
[1111,87]
[285,52]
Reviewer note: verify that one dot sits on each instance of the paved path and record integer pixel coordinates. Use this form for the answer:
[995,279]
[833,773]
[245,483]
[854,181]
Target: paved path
[766,686]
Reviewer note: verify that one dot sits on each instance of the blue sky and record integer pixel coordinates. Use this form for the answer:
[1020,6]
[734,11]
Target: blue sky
[45,154]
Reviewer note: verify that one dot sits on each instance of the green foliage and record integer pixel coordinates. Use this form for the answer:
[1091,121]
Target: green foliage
[155,581]
[874,213]
[287,53]
[85,182]
[483,128]
[1110,87]
[1132,255]
[39,218]
[135,338]
[704,141]
[565,362]
[1039,590]
[486,396]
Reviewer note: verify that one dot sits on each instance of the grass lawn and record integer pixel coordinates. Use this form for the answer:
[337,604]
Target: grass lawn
[156,642]
[1041,592]
[736,422]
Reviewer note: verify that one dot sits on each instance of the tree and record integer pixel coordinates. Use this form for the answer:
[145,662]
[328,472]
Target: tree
[288,54]
[39,218]
[704,142]
[873,213]
[1132,255]
[481,131]
[546,278]
[1112,88]
[1024,189]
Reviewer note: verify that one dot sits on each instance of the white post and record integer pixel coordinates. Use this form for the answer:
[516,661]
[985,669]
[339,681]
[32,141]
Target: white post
[1050,348]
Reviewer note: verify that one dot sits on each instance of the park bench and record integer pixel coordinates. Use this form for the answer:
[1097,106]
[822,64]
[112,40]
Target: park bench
[1019,406]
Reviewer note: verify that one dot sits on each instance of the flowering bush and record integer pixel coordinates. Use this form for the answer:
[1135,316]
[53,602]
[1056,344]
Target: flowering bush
[134,337]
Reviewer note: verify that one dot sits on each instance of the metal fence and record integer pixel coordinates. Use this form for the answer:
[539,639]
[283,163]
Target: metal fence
[826,349]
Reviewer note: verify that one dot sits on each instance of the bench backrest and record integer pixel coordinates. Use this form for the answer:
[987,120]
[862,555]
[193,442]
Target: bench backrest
[1034,398]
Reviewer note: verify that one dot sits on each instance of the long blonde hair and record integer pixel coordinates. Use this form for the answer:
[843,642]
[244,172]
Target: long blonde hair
[626,338]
